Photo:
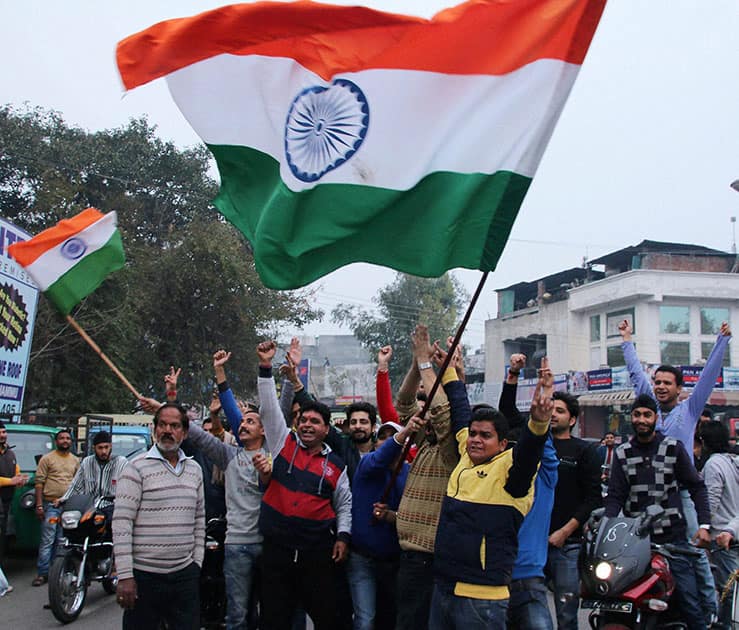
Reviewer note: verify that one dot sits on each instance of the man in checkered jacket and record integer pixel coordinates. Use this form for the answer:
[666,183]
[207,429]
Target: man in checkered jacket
[649,469]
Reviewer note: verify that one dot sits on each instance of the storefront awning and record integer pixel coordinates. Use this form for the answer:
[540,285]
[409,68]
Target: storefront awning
[604,399]
[719,397]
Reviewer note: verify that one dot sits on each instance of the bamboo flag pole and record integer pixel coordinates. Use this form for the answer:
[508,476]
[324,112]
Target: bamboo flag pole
[437,382]
[102,355]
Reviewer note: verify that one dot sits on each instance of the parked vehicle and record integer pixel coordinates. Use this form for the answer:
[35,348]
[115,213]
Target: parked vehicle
[626,578]
[212,581]
[87,555]
[30,443]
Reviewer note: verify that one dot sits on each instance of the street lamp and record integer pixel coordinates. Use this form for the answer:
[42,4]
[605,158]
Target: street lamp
[735,186]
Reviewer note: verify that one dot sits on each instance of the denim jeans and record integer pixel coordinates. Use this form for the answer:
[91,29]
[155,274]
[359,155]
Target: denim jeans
[452,612]
[3,583]
[372,580]
[170,597]
[726,562]
[51,538]
[528,608]
[703,576]
[563,574]
[239,562]
[686,590]
[415,585]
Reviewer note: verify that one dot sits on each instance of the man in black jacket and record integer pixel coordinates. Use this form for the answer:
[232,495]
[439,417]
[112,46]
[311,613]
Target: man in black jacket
[577,494]
[360,418]
[648,470]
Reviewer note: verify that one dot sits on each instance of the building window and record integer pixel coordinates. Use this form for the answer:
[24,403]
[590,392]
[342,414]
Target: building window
[615,356]
[711,319]
[594,328]
[674,320]
[707,346]
[615,318]
[675,352]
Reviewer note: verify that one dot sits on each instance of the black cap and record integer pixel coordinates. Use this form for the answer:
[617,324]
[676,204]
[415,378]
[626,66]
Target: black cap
[644,400]
[101,437]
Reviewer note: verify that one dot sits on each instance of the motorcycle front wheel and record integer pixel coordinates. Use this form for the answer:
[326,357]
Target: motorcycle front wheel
[65,597]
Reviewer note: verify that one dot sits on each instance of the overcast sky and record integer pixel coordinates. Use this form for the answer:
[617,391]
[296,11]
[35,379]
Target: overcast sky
[645,149]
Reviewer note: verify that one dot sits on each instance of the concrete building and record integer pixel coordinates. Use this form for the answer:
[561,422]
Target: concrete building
[675,295]
[341,370]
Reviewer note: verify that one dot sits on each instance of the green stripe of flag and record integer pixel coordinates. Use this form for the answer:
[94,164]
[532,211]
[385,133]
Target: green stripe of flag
[462,220]
[87,275]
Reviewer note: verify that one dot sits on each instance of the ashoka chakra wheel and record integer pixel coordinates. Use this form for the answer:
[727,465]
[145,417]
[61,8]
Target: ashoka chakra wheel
[325,127]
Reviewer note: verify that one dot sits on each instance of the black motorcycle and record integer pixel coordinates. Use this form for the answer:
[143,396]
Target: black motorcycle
[212,581]
[626,578]
[87,555]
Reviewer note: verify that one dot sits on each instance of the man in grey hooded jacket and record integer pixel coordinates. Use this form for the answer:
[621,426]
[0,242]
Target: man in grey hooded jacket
[721,474]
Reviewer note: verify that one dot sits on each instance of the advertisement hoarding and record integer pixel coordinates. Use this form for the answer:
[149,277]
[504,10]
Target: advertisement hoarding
[18,301]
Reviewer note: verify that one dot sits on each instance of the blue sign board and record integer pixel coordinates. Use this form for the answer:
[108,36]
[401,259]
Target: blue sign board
[18,301]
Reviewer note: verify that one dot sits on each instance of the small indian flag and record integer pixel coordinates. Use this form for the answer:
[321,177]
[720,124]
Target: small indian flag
[344,134]
[70,260]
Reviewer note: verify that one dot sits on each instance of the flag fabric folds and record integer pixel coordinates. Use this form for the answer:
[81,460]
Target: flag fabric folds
[344,134]
[70,260]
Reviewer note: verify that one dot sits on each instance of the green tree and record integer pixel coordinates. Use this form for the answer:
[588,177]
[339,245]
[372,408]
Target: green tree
[405,302]
[189,285]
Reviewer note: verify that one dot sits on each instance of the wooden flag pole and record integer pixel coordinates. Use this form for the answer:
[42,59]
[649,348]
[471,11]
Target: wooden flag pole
[102,355]
[437,382]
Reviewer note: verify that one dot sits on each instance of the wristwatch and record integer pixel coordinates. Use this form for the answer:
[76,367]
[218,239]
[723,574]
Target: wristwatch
[426,365]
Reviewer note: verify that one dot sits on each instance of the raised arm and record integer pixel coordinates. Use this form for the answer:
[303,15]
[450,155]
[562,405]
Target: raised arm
[639,378]
[275,430]
[406,401]
[707,380]
[527,452]
[225,395]
[507,403]
[384,393]
[218,452]
[291,384]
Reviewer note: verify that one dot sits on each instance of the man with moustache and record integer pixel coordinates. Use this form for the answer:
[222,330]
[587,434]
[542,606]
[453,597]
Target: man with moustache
[678,419]
[98,473]
[648,470]
[361,418]
[305,516]
[159,530]
[54,473]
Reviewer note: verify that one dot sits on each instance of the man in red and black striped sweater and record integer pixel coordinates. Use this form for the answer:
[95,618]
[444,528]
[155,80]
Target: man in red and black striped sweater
[305,516]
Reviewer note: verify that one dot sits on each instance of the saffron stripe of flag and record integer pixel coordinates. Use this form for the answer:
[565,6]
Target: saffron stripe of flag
[344,134]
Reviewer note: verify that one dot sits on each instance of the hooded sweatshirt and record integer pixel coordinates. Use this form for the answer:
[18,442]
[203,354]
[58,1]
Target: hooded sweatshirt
[721,474]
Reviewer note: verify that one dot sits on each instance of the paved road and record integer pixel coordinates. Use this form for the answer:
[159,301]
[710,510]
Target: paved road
[24,607]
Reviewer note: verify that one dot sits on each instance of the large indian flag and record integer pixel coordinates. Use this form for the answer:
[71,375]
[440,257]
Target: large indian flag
[70,260]
[344,134]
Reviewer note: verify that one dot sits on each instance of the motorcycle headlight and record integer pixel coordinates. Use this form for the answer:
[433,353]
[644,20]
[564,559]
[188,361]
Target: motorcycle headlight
[71,519]
[603,570]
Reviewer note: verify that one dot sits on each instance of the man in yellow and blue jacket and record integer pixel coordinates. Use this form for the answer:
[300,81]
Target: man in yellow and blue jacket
[489,493]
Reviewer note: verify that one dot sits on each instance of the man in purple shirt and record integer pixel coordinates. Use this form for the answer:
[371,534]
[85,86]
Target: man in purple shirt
[678,420]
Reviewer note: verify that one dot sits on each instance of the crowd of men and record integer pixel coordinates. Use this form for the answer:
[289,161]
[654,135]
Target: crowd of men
[465,516]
